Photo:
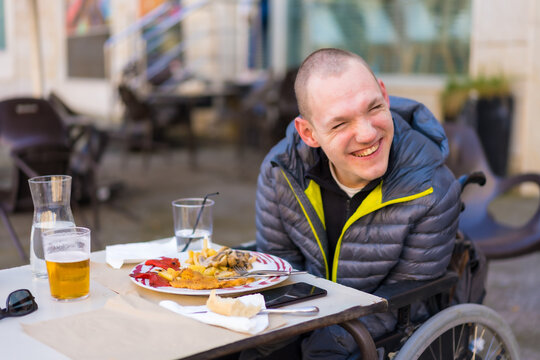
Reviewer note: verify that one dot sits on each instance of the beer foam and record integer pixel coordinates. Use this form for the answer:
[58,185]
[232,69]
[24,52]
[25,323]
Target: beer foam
[67,256]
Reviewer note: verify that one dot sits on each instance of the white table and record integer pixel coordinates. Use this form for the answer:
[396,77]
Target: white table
[342,306]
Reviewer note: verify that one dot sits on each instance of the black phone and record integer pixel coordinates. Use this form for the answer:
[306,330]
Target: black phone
[290,294]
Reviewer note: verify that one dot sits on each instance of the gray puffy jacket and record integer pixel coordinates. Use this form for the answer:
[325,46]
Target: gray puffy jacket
[403,230]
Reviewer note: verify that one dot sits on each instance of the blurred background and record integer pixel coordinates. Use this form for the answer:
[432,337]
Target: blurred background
[168,99]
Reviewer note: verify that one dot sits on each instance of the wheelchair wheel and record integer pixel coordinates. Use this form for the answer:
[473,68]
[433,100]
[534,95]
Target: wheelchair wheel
[466,331]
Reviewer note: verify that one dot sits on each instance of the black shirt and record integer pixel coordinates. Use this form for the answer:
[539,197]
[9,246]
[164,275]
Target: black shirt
[337,205]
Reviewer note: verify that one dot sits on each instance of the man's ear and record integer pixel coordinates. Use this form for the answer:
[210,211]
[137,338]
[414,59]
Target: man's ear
[305,130]
[384,92]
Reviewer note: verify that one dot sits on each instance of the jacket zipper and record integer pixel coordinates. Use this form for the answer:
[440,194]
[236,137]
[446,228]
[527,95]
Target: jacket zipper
[371,203]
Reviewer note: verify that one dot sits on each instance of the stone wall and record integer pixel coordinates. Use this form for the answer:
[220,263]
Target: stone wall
[506,40]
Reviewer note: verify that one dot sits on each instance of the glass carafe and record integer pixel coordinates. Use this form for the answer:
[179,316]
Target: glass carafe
[51,196]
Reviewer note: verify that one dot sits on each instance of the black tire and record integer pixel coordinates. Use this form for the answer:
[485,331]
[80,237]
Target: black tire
[466,331]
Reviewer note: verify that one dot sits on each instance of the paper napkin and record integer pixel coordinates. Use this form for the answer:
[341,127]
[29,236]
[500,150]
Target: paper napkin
[252,326]
[117,255]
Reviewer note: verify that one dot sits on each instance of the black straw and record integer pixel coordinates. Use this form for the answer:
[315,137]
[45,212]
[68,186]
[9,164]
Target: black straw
[198,218]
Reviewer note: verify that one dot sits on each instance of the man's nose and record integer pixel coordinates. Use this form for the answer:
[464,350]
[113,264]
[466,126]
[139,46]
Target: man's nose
[365,133]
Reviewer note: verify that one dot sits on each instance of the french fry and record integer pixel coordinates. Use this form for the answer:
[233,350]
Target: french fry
[198,268]
[168,274]
[209,271]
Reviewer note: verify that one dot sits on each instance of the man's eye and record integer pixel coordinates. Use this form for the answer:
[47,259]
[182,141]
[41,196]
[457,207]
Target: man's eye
[377,107]
[336,126]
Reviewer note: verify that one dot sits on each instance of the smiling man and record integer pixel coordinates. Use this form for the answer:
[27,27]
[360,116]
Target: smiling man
[357,192]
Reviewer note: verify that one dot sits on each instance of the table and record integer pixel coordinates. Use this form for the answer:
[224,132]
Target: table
[184,100]
[340,306]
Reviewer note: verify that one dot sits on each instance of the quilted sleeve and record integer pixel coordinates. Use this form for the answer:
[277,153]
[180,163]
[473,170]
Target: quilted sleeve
[271,235]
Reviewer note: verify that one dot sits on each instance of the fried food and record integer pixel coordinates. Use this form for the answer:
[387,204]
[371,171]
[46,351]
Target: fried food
[190,279]
[203,269]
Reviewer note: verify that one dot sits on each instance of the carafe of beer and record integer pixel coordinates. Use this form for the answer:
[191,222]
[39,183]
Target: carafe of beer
[51,196]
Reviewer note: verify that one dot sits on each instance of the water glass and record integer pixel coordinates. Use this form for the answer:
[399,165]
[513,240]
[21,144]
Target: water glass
[192,222]
[67,255]
[51,196]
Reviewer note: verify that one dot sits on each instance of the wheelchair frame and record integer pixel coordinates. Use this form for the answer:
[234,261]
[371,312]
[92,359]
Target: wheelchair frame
[431,339]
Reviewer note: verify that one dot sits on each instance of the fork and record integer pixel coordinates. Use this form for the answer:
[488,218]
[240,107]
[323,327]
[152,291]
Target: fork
[242,271]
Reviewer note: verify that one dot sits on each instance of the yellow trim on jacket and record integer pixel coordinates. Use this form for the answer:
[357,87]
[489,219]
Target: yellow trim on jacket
[313,193]
[371,203]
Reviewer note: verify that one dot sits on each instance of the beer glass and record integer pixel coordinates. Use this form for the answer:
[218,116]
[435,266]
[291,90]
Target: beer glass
[51,197]
[67,255]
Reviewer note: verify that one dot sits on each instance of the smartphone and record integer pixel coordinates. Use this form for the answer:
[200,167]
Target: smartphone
[290,294]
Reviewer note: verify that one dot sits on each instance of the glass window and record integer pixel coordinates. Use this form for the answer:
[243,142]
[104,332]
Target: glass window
[394,36]
[87,30]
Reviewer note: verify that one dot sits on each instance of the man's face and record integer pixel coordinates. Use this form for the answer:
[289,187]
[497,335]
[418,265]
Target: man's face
[351,122]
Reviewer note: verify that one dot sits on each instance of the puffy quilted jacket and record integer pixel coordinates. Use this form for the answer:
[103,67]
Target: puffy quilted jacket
[403,230]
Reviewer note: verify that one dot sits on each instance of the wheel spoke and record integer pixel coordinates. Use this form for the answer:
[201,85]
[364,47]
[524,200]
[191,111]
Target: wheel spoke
[489,348]
[461,335]
[454,343]
[440,347]
[432,353]
[474,341]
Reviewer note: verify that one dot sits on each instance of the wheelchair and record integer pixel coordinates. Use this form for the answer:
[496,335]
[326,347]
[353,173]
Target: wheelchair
[466,331]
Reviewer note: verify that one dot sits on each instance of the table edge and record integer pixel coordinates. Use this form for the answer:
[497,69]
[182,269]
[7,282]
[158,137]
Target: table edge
[285,332]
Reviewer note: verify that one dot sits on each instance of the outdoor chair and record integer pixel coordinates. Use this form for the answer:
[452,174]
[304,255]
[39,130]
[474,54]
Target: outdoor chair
[138,120]
[88,144]
[38,143]
[144,125]
[494,238]
[266,111]
[70,116]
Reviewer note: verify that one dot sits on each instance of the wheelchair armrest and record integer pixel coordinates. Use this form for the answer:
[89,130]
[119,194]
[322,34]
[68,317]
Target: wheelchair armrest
[407,292]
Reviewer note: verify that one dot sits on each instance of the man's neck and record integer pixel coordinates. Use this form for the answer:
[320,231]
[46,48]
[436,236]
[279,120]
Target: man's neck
[348,190]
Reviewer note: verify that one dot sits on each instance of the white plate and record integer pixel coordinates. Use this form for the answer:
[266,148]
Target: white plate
[264,261]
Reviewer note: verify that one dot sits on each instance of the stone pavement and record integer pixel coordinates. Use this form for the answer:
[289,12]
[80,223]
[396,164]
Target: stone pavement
[141,211]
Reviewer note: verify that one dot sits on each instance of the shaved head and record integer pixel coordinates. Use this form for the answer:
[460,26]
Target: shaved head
[322,63]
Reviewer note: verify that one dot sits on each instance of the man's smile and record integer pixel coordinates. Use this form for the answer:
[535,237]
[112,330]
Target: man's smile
[366,152]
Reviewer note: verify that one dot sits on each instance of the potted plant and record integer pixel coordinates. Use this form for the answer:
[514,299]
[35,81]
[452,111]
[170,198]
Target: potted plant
[485,103]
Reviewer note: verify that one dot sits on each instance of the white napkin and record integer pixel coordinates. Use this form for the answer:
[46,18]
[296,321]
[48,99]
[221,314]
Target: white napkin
[117,255]
[252,326]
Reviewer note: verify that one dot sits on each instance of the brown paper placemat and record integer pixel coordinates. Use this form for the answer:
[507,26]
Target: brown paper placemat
[130,327]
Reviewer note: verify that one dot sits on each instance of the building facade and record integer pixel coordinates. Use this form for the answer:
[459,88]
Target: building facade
[413,45]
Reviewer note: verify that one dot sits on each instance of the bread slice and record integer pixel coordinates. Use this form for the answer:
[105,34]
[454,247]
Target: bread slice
[230,306]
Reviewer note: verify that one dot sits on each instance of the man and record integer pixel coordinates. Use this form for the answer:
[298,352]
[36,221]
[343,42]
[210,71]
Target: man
[357,192]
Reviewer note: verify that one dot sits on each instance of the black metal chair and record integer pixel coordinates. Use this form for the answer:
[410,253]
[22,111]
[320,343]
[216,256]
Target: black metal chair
[38,145]
[495,239]
[88,144]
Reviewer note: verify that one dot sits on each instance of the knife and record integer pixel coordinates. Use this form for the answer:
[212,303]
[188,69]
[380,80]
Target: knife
[308,310]
[262,273]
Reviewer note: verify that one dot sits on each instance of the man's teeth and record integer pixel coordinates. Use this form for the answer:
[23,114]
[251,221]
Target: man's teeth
[367,152]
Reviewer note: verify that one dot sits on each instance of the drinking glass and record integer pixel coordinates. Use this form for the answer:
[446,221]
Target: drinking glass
[51,197]
[67,255]
[192,222]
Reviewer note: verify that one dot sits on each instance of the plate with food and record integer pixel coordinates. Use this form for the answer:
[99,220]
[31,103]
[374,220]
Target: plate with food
[200,272]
